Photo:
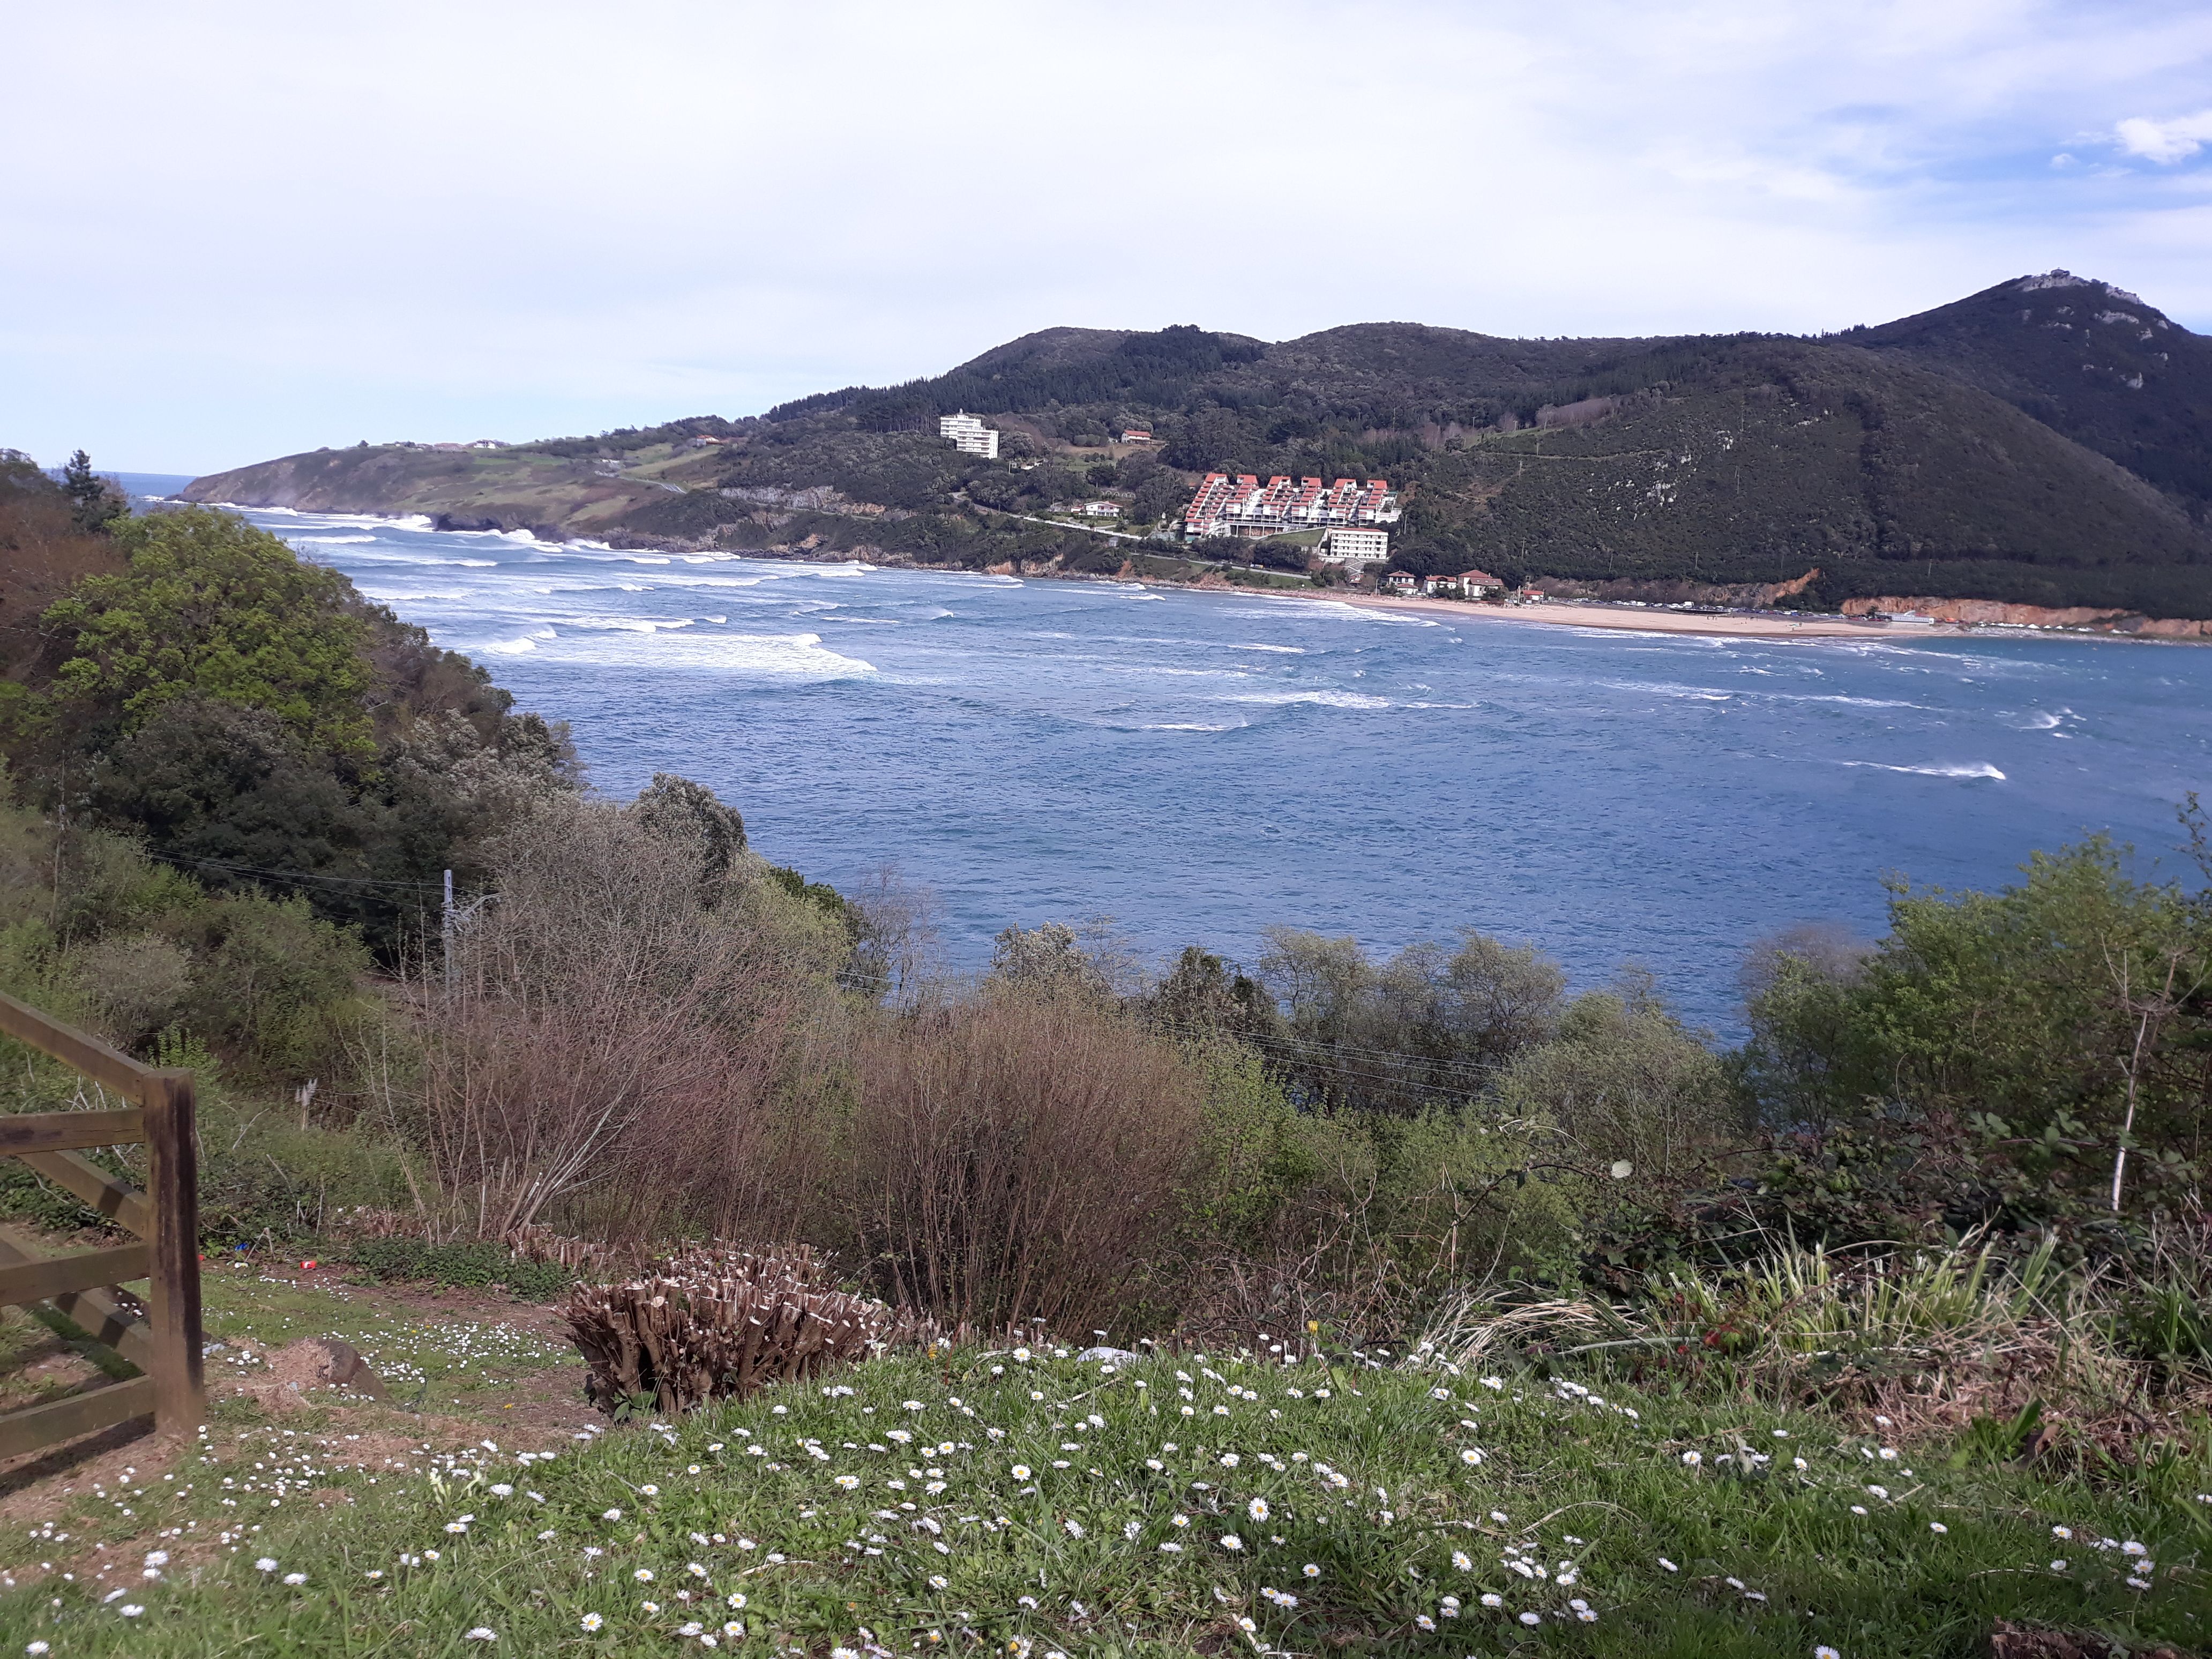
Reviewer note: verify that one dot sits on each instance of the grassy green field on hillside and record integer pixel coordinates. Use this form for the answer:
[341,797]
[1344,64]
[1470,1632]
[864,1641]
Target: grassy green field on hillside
[1035,1504]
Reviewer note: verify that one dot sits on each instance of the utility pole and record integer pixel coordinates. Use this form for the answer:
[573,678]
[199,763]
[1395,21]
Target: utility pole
[445,933]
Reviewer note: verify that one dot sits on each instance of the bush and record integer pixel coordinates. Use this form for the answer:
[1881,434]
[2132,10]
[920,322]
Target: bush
[1624,1080]
[475,1264]
[1019,1157]
[722,1323]
[613,1050]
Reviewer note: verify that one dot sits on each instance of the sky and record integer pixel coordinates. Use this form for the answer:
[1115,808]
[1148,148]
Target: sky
[236,231]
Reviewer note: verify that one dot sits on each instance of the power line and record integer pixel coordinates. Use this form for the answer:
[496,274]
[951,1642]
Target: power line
[302,876]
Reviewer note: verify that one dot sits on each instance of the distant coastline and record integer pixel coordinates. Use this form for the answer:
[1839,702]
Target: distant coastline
[1561,613]
[1596,613]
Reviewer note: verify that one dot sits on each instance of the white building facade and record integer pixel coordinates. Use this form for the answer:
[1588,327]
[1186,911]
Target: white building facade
[969,436]
[1348,545]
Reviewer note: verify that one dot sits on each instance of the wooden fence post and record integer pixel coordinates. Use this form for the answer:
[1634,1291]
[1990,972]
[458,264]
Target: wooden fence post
[174,1309]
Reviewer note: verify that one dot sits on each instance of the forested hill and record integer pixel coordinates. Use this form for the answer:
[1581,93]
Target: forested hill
[2047,441]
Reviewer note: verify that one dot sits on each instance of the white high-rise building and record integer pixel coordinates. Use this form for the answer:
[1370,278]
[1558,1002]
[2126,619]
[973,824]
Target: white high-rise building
[968,434]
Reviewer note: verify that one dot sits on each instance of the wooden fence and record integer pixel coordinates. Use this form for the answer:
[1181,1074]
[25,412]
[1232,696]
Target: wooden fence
[165,1342]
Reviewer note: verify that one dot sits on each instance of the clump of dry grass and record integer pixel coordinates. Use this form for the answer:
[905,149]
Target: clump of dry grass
[722,1322]
[1933,1340]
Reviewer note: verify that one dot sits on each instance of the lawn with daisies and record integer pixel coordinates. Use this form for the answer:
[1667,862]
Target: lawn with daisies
[1037,1504]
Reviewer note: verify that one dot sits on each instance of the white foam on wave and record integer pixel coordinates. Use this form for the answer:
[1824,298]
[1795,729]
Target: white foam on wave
[1192,725]
[414,521]
[330,541]
[1691,693]
[1338,610]
[783,656]
[1323,699]
[1977,770]
[1854,702]
[630,624]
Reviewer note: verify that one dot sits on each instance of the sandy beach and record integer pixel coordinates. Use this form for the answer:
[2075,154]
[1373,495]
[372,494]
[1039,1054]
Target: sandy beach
[1770,625]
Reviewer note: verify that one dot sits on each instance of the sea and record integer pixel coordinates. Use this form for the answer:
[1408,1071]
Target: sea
[1171,768]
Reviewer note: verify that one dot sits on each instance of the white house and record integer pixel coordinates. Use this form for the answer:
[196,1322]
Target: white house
[1100,509]
[968,434]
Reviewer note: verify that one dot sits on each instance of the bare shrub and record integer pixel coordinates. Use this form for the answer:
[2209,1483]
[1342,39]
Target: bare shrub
[610,1044]
[724,1321]
[1017,1157]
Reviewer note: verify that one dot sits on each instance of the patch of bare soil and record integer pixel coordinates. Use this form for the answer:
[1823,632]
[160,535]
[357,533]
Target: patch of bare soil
[2010,1641]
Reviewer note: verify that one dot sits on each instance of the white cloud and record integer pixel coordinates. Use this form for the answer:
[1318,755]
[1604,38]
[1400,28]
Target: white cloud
[262,226]
[2166,141]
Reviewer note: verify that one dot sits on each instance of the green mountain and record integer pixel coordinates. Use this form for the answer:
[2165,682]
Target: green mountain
[2086,359]
[2047,442]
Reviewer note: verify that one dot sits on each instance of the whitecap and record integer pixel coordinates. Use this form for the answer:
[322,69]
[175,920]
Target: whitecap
[630,624]
[1192,725]
[329,541]
[781,655]
[509,647]
[1324,699]
[1977,770]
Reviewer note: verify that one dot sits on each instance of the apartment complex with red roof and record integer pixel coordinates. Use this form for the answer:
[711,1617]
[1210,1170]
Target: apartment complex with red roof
[1242,506]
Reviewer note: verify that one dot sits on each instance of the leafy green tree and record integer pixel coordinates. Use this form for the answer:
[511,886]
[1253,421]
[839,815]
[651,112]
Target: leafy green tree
[2048,1046]
[1160,495]
[209,781]
[1625,1080]
[213,607]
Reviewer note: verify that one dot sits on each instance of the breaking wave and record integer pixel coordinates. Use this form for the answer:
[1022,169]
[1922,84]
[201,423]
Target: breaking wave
[1977,770]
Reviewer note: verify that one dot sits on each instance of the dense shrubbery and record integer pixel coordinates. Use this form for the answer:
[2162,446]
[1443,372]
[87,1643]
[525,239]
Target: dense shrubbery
[251,719]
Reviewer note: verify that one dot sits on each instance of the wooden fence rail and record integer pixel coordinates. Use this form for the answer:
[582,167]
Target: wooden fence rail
[164,1341]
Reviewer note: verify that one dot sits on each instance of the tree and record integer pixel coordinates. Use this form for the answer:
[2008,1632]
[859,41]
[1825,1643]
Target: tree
[677,808]
[2048,1046]
[94,502]
[1627,1080]
[212,607]
[1161,495]
[1203,993]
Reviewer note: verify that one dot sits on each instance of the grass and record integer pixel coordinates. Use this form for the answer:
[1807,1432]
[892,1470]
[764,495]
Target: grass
[430,1362]
[1038,1504]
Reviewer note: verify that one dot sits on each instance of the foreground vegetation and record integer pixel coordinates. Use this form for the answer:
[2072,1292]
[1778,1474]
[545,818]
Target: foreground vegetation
[1030,1502]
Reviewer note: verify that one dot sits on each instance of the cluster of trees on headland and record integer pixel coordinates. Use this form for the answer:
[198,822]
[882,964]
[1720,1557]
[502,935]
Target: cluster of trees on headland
[230,782]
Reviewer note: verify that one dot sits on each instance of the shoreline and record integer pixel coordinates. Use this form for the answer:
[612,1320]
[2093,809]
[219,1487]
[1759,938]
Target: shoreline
[1560,613]
[1596,613]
